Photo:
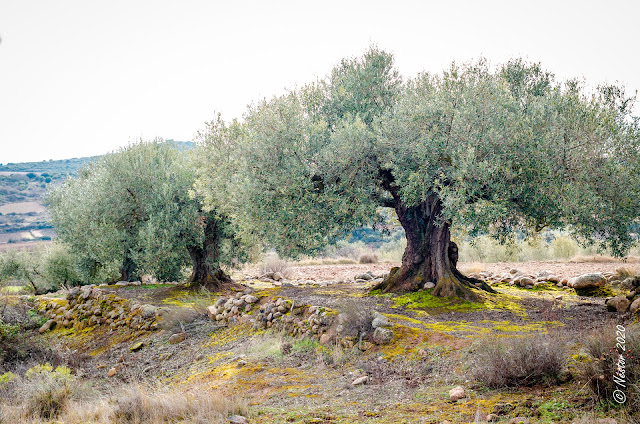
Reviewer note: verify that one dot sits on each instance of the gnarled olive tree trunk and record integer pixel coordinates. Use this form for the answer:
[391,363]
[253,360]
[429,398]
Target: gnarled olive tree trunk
[430,255]
[206,270]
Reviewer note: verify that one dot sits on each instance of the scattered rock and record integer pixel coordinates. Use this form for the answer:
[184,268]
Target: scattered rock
[360,380]
[587,281]
[382,335]
[380,320]
[617,304]
[492,418]
[635,306]
[429,285]
[177,338]
[520,420]
[122,283]
[456,393]
[238,419]
[149,311]
[606,421]
[250,299]
[366,277]
[47,326]
[136,347]
[524,281]
[113,371]
[324,339]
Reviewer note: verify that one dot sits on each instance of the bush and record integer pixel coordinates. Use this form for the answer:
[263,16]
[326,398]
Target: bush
[564,247]
[59,266]
[600,371]
[46,391]
[368,258]
[355,319]
[625,272]
[517,362]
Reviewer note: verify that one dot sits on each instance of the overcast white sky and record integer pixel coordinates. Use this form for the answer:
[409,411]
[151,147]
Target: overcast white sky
[81,77]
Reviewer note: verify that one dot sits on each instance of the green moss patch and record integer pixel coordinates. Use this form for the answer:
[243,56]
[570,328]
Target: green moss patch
[425,300]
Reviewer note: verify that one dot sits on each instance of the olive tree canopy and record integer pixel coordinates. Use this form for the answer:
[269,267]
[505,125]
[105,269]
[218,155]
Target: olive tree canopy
[492,150]
[135,208]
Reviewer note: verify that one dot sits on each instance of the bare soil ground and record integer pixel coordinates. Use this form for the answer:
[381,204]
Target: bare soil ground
[431,352]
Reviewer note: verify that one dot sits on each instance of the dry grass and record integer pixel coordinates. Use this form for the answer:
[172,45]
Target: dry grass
[626,272]
[472,268]
[273,263]
[139,404]
[326,261]
[602,367]
[368,258]
[134,404]
[517,362]
[603,259]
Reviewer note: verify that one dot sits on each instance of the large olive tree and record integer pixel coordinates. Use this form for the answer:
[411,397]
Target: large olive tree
[493,150]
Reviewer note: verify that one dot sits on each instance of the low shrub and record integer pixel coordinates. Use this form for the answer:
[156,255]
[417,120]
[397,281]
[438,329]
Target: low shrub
[607,359]
[355,319]
[368,258]
[522,361]
[46,391]
[344,249]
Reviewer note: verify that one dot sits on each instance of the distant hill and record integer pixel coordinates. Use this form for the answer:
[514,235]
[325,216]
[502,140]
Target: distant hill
[23,187]
[54,167]
[70,166]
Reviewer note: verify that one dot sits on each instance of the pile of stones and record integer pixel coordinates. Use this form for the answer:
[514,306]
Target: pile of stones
[90,306]
[298,320]
[629,302]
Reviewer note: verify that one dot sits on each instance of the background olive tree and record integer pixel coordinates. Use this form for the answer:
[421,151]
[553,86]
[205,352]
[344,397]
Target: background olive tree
[134,210]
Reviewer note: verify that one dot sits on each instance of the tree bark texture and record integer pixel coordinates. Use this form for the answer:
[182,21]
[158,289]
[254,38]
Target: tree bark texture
[206,270]
[430,255]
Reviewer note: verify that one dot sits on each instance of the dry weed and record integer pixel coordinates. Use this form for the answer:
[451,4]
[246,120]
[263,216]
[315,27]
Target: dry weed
[518,362]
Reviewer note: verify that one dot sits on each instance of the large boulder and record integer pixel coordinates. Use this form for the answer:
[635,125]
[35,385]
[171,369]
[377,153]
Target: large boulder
[634,306]
[587,281]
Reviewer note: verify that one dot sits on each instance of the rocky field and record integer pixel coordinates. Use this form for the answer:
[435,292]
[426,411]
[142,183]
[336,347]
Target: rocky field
[314,345]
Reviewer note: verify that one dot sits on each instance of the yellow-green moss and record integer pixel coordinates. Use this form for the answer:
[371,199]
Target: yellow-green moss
[425,300]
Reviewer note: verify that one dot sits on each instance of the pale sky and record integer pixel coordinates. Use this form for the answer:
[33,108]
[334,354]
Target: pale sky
[82,77]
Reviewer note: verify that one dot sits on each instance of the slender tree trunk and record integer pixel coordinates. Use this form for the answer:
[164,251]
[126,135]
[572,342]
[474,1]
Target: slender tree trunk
[206,270]
[430,255]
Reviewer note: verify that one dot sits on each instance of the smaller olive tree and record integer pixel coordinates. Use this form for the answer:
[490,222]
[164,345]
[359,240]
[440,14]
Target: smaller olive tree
[135,207]
[41,269]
